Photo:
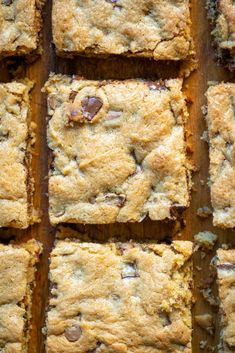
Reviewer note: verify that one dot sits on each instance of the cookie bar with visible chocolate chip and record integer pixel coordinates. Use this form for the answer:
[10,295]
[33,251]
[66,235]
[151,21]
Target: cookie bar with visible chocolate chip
[120,297]
[221,126]
[17,274]
[222,13]
[226,282]
[118,150]
[155,29]
[15,181]
[20,22]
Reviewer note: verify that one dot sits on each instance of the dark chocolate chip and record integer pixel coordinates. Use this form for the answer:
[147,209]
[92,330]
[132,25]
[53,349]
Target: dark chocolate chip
[73,333]
[90,107]
[226,266]
[53,101]
[93,350]
[157,85]
[130,270]
[7,2]
[165,319]
[118,200]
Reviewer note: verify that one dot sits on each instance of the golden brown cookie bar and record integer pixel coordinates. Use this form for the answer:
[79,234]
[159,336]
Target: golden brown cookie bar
[17,272]
[221,126]
[15,205]
[222,13]
[156,29]
[120,297]
[118,149]
[20,23]
[226,282]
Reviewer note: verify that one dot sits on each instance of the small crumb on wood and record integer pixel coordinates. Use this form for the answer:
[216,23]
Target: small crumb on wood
[205,240]
[205,321]
[204,212]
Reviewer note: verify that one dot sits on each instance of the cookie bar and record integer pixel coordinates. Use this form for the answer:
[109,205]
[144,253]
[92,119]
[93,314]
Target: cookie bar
[20,22]
[17,272]
[120,297]
[118,149]
[15,191]
[222,14]
[155,29]
[221,126]
[226,282]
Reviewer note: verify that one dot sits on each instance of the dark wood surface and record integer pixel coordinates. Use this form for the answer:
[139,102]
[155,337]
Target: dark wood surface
[121,68]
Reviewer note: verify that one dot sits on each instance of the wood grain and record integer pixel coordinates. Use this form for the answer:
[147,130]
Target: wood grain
[121,68]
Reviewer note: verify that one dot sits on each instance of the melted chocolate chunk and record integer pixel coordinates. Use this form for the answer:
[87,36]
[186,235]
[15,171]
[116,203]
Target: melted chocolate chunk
[157,85]
[117,200]
[226,266]
[130,270]
[90,107]
[73,333]
[7,2]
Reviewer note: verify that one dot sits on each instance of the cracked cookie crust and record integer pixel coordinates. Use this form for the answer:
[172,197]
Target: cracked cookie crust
[15,181]
[221,126]
[222,14]
[226,282]
[20,22]
[120,297]
[17,272]
[155,29]
[118,150]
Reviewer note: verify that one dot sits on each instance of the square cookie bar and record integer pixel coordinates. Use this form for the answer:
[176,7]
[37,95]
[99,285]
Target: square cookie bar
[15,200]
[226,282]
[222,13]
[120,297]
[17,272]
[118,149]
[20,22]
[221,126]
[156,29]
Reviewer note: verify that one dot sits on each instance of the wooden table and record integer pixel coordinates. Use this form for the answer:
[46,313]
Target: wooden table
[195,88]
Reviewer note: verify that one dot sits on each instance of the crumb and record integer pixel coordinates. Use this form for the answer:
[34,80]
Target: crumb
[204,212]
[203,344]
[225,246]
[205,240]
[209,297]
[205,321]
[205,136]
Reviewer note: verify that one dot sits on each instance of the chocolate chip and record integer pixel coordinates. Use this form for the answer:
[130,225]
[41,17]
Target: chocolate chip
[72,95]
[90,107]
[157,85]
[115,199]
[52,287]
[165,319]
[53,101]
[93,350]
[7,2]
[4,136]
[226,266]
[129,270]
[73,333]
